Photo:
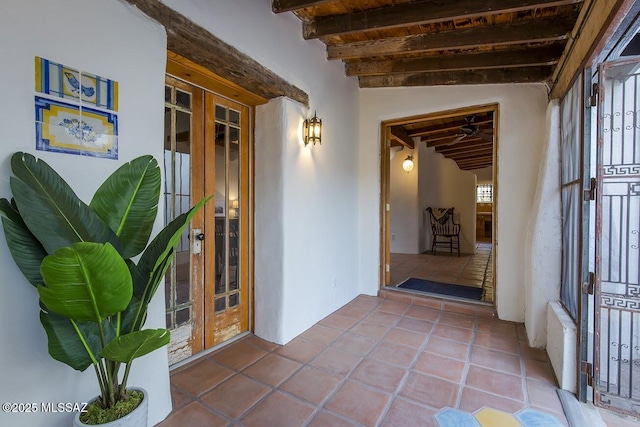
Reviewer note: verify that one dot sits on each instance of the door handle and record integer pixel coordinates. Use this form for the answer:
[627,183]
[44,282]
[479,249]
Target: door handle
[196,242]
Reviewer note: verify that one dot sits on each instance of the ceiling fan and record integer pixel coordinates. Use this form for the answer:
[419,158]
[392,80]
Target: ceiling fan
[470,129]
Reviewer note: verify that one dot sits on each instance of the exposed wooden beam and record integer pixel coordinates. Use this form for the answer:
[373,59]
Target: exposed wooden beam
[455,125]
[507,75]
[398,133]
[591,30]
[443,142]
[537,57]
[464,148]
[200,46]
[417,13]
[482,159]
[431,140]
[458,157]
[279,6]
[530,31]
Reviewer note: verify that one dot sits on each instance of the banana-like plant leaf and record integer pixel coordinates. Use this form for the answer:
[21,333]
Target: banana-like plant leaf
[64,343]
[128,203]
[26,250]
[86,282]
[127,347]
[161,248]
[155,261]
[50,208]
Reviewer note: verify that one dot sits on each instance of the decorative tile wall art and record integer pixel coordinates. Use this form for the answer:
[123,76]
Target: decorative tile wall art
[85,121]
[65,128]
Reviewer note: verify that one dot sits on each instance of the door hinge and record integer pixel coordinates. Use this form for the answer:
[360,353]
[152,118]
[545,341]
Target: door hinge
[590,194]
[589,285]
[587,368]
[593,98]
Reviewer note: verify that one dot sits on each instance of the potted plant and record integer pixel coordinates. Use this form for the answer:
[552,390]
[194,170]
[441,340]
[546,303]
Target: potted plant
[93,295]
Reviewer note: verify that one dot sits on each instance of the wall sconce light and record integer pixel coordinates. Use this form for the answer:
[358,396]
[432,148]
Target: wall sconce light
[313,130]
[407,165]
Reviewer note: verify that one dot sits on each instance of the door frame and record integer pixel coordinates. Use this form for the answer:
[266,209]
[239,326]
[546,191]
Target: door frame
[385,182]
[183,69]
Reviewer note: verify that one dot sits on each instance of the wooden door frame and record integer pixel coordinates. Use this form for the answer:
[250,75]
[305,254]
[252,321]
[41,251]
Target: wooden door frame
[183,69]
[385,182]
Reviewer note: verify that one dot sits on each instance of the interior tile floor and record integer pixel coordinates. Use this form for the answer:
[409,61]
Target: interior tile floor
[468,269]
[376,362]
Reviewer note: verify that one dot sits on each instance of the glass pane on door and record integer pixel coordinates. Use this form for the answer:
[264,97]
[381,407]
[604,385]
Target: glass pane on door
[177,200]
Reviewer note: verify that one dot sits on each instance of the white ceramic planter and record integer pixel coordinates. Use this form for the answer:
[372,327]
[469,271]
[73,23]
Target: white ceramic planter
[137,418]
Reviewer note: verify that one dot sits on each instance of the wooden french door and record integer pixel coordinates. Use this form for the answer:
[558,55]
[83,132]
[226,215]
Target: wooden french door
[206,153]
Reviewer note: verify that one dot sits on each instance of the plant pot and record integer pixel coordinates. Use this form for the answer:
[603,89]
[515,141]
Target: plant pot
[137,418]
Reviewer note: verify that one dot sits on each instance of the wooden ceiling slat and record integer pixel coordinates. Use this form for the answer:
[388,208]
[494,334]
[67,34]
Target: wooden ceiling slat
[547,29]
[506,75]
[279,6]
[510,59]
[472,155]
[399,134]
[417,13]
[464,147]
[452,125]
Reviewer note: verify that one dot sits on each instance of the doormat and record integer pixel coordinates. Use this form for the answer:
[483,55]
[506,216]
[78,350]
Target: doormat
[423,285]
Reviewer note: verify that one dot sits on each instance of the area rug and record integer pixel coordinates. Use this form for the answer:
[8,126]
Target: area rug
[423,285]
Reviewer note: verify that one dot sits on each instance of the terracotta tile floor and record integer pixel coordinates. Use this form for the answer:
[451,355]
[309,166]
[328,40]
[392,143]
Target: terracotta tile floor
[467,269]
[374,362]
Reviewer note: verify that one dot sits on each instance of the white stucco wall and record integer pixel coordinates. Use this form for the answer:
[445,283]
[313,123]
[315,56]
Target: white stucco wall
[444,185]
[406,218]
[521,133]
[307,266]
[484,175]
[543,242]
[110,39]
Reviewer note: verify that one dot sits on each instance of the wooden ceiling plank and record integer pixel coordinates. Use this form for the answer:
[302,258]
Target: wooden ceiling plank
[455,125]
[444,142]
[279,6]
[547,29]
[470,155]
[416,13]
[508,59]
[399,134]
[493,76]
[483,159]
[464,148]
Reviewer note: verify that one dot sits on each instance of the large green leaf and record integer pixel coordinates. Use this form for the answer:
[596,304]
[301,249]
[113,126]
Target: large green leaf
[161,248]
[127,347]
[64,343]
[26,250]
[86,282]
[50,208]
[128,203]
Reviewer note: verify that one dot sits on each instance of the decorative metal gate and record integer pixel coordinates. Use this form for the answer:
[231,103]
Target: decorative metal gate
[617,293]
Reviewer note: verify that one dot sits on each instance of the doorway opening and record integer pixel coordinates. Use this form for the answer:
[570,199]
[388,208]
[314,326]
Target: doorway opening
[454,157]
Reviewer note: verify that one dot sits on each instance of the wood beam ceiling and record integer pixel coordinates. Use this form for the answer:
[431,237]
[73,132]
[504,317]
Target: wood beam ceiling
[279,6]
[539,30]
[398,134]
[454,125]
[493,76]
[535,57]
[417,13]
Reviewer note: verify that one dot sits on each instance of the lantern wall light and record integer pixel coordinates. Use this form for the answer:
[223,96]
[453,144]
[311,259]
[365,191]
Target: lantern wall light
[312,130]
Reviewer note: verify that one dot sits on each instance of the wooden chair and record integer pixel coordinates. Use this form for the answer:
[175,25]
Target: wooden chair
[445,232]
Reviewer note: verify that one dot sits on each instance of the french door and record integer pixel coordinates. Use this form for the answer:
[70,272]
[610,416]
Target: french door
[617,290]
[206,148]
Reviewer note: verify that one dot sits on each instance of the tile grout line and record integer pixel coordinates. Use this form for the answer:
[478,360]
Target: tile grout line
[409,369]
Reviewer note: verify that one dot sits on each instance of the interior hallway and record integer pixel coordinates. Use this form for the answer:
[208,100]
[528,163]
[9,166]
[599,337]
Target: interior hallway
[468,269]
[376,362]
